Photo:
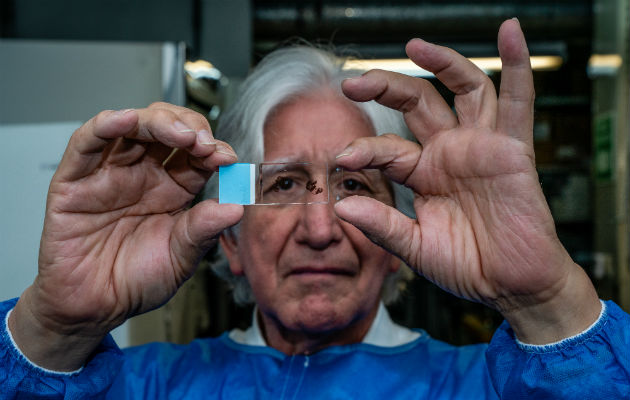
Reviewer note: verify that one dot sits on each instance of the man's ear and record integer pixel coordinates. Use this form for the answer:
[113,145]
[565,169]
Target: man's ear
[230,247]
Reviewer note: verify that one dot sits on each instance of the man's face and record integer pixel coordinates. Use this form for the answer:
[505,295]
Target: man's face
[310,272]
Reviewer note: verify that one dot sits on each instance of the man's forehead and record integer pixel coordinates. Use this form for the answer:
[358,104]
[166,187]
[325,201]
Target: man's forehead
[313,130]
[307,156]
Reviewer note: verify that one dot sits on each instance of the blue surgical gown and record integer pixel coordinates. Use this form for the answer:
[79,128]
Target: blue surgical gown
[592,365]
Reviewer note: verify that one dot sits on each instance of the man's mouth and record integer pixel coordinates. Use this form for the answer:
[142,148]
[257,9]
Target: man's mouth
[321,271]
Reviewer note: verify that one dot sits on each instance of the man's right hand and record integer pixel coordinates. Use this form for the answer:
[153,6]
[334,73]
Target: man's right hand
[119,238]
[483,230]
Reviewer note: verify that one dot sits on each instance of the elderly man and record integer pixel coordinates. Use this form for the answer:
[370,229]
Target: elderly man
[119,239]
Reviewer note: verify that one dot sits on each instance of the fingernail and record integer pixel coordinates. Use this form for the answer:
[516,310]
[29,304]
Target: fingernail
[181,127]
[346,152]
[516,19]
[227,153]
[225,150]
[205,137]
[123,112]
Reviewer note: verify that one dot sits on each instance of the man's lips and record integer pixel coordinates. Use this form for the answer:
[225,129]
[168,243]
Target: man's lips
[323,270]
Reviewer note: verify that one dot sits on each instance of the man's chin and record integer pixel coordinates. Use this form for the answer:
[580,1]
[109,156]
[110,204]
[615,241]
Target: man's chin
[316,316]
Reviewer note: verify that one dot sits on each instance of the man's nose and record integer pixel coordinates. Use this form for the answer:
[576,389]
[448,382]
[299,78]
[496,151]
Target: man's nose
[319,226]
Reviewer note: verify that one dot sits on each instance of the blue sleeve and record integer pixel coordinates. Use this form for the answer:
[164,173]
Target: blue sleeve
[592,365]
[21,379]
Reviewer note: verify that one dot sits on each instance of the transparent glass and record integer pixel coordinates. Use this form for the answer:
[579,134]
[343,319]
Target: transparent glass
[364,182]
[292,183]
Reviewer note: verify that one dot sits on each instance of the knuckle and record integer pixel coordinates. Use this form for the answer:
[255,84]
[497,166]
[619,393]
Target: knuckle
[96,124]
[194,117]
[162,114]
[392,136]
[99,118]
[158,105]
[374,72]
[190,113]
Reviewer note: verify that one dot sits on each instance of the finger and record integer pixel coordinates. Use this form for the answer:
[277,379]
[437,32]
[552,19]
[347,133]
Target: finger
[516,94]
[424,109]
[475,95]
[130,150]
[203,146]
[192,172]
[382,224]
[165,124]
[198,228]
[85,149]
[223,154]
[396,157]
[205,141]
[124,151]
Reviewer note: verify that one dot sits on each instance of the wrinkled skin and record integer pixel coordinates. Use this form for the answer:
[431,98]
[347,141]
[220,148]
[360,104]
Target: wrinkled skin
[118,238]
[483,229]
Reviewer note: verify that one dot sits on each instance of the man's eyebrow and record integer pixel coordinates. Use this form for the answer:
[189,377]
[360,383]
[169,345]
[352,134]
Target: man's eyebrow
[272,168]
[288,159]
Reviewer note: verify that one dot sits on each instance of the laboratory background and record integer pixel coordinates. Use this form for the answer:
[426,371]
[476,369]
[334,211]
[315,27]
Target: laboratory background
[61,62]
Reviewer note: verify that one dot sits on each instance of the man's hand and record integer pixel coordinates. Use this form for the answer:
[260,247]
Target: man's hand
[483,230]
[119,237]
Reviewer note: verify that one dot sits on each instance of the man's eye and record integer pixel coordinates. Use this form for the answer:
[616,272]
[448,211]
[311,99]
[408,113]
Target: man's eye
[353,185]
[282,183]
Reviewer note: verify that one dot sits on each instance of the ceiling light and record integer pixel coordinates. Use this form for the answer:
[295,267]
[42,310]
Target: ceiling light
[487,64]
[603,64]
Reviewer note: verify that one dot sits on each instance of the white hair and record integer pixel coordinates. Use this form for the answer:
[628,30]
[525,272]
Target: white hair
[280,77]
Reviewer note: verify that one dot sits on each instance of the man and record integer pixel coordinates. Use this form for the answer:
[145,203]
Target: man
[119,240]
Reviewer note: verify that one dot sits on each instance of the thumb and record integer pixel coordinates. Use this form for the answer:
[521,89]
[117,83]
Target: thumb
[197,230]
[382,224]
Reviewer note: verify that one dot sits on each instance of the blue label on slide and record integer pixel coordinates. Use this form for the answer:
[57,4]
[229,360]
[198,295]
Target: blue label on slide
[236,184]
